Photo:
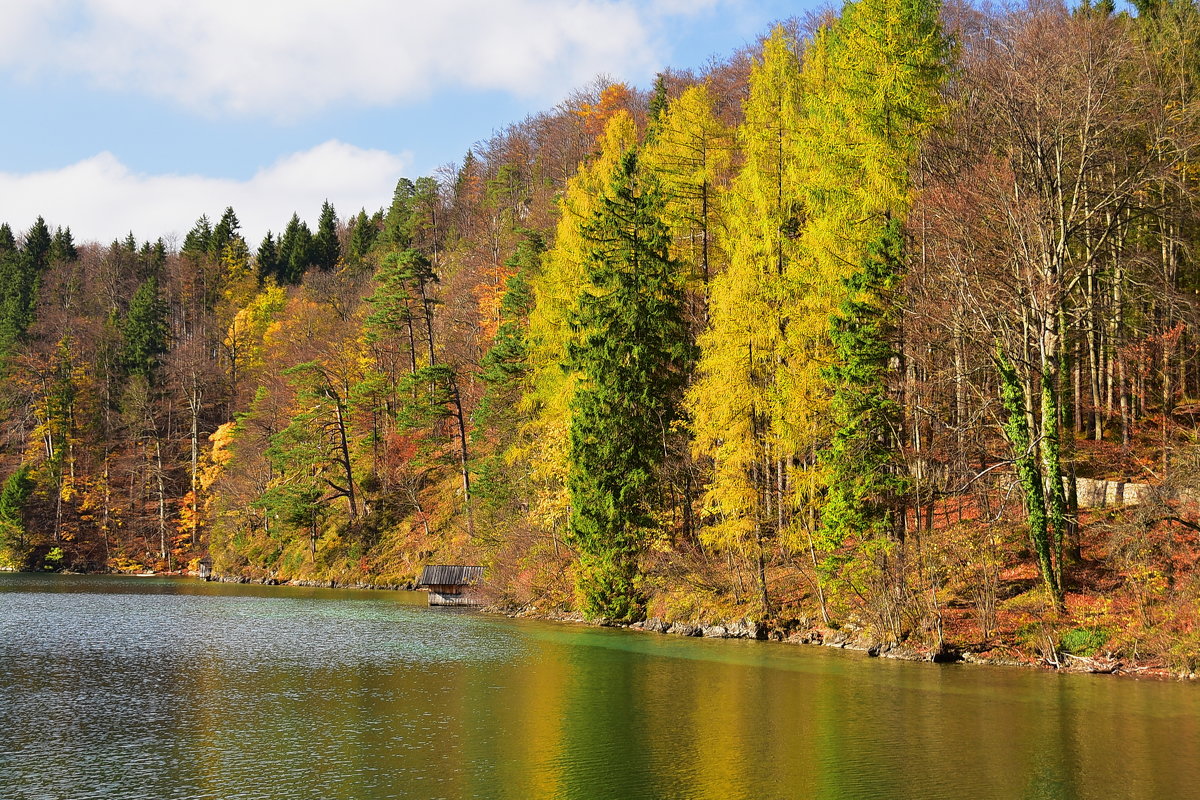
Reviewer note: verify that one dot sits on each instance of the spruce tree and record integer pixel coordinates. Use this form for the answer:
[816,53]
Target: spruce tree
[38,242]
[362,237]
[196,243]
[18,488]
[63,247]
[144,330]
[295,250]
[268,258]
[630,356]
[865,474]
[326,250]
[224,233]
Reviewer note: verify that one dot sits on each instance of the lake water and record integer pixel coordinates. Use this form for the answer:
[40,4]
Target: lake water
[161,688]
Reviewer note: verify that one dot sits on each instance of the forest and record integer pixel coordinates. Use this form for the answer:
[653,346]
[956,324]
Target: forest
[887,324]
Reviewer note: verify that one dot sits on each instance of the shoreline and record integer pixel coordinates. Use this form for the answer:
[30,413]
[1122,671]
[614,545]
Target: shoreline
[748,629]
[822,637]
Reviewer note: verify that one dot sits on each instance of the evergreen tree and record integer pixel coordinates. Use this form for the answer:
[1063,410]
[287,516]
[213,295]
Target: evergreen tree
[866,478]
[326,250]
[295,250]
[21,271]
[196,243]
[36,250]
[224,233]
[18,488]
[556,290]
[658,101]
[268,259]
[630,355]
[397,224]
[63,248]
[362,237]
[144,330]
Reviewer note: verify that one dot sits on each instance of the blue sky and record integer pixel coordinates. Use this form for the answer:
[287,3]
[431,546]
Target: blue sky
[142,114]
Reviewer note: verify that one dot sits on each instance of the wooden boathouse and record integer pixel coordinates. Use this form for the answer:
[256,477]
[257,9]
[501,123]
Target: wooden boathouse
[451,584]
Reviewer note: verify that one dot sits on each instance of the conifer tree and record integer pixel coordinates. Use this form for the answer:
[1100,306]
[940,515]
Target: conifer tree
[556,291]
[225,231]
[295,250]
[362,237]
[746,403]
[690,153]
[144,330]
[873,79]
[18,488]
[198,239]
[866,480]
[326,250]
[631,354]
[267,258]
[63,248]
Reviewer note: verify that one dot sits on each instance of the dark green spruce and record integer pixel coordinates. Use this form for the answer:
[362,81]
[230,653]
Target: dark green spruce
[631,354]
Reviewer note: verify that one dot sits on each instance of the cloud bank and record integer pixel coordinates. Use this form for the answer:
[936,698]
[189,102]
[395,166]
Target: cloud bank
[288,58]
[101,199]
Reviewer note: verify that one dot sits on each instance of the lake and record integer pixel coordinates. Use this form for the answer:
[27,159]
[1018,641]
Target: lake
[157,688]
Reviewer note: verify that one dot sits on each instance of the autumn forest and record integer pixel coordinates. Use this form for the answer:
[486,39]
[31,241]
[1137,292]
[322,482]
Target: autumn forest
[888,325]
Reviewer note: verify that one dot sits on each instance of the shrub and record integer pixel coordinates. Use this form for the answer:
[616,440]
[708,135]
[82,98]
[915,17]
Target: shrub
[1083,641]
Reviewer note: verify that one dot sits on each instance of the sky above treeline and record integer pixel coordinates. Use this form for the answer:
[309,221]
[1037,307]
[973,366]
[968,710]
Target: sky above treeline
[139,115]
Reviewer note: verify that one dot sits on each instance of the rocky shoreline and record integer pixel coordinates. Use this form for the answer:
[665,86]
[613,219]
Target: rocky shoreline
[851,638]
[848,638]
[313,584]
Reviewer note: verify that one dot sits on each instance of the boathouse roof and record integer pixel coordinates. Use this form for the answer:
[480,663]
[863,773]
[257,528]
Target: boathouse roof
[449,575]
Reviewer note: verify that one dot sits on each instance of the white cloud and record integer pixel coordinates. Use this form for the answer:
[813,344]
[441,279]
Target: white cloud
[286,58]
[101,199]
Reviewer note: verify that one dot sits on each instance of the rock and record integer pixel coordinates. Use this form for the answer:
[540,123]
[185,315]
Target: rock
[902,653]
[683,629]
[946,655]
[655,624]
[746,629]
[715,632]
[806,637]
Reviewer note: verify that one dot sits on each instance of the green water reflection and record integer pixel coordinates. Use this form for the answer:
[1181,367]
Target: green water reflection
[154,688]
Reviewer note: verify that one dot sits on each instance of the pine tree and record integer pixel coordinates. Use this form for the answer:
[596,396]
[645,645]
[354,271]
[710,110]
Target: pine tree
[631,354]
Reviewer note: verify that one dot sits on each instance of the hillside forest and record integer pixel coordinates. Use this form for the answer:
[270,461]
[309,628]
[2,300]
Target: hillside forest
[843,332]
